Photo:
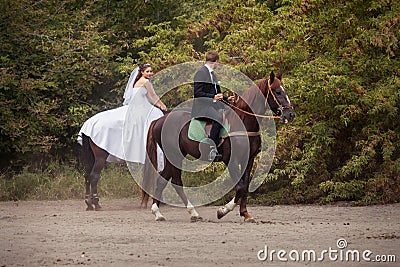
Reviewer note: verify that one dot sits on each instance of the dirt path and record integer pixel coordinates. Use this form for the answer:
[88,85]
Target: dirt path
[63,233]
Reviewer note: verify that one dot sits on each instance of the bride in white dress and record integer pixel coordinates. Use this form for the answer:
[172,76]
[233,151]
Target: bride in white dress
[122,131]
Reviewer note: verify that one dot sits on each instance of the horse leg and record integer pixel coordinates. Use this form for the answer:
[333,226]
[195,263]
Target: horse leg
[178,186]
[194,216]
[95,196]
[145,200]
[88,161]
[99,163]
[234,171]
[160,186]
[88,197]
[243,191]
[222,211]
[243,210]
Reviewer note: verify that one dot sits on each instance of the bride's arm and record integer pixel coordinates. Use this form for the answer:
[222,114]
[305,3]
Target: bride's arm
[152,96]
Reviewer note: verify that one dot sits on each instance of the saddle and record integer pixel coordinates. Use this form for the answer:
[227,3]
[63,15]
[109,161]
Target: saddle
[199,130]
[208,125]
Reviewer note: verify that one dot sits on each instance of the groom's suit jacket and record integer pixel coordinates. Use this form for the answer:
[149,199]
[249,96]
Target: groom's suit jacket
[204,92]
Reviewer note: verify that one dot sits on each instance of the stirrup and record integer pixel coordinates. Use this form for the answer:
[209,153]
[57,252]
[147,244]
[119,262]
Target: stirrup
[214,155]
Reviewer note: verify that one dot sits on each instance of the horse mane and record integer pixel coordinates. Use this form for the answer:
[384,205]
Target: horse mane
[250,96]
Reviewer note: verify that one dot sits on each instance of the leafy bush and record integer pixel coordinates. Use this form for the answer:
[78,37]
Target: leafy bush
[343,191]
[21,186]
[66,182]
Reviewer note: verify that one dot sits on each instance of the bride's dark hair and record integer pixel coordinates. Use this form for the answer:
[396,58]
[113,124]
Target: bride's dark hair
[142,67]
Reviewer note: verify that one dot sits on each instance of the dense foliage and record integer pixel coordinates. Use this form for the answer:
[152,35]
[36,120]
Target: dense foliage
[63,61]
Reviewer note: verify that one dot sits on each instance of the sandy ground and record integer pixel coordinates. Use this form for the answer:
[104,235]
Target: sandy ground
[48,233]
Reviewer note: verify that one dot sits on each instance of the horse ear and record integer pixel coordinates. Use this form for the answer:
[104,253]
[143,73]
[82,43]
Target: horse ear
[280,76]
[272,77]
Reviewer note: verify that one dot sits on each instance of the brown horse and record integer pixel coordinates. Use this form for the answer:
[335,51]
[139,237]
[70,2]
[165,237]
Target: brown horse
[247,113]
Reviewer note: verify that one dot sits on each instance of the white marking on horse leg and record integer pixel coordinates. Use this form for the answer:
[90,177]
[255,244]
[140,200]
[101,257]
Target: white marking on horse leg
[231,205]
[156,211]
[194,216]
[222,211]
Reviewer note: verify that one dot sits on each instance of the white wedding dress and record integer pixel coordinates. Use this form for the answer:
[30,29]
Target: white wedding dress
[122,131]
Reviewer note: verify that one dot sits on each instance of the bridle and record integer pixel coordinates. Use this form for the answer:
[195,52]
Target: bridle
[280,107]
[245,133]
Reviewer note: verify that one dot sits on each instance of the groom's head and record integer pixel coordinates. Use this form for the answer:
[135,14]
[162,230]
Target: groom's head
[212,58]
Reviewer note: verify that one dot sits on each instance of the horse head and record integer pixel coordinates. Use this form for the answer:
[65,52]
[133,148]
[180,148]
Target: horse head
[278,100]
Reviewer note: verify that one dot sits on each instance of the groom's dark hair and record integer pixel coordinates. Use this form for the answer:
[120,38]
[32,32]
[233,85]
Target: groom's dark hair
[212,56]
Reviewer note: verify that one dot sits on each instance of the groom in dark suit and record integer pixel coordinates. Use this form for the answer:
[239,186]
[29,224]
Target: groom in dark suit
[206,103]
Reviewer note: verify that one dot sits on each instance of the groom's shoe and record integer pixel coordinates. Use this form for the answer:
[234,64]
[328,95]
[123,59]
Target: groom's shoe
[214,155]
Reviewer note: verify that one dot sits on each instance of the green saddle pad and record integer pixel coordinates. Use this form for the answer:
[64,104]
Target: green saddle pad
[197,130]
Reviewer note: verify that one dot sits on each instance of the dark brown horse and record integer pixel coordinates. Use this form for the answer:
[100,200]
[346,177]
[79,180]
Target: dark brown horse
[244,119]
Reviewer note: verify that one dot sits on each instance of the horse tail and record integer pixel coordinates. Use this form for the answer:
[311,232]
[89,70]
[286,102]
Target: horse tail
[150,166]
[87,154]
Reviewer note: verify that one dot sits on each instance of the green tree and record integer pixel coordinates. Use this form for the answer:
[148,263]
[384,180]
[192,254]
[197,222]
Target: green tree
[63,61]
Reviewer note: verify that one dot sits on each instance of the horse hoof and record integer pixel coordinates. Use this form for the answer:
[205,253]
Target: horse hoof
[249,219]
[196,219]
[98,208]
[221,212]
[89,204]
[160,218]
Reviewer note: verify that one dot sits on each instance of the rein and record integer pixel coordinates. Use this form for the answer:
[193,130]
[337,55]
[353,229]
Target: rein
[265,104]
[250,113]
[249,134]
